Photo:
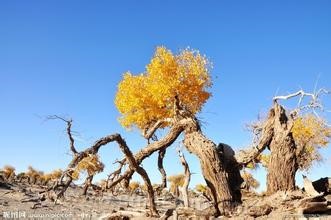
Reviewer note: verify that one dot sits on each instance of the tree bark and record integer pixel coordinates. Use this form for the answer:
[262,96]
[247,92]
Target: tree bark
[141,171]
[282,165]
[161,168]
[88,183]
[232,167]
[212,166]
[213,169]
[187,179]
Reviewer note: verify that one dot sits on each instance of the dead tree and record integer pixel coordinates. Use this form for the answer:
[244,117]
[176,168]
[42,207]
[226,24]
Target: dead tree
[275,133]
[67,176]
[79,156]
[187,179]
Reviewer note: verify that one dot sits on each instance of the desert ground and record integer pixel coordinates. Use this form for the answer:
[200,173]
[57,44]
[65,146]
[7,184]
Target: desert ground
[23,200]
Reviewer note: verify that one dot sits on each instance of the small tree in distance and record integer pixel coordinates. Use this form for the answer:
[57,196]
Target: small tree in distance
[8,171]
[176,181]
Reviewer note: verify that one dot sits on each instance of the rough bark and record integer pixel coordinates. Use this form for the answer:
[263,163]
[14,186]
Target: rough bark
[232,167]
[244,157]
[88,183]
[212,168]
[161,168]
[282,165]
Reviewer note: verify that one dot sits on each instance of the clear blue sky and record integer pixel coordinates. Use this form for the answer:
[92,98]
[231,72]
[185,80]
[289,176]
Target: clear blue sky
[67,57]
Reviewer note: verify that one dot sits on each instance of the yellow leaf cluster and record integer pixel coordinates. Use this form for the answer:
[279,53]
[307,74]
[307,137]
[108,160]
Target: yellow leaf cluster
[91,164]
[263,159]
[134,185]
[33,173]
[201,188]
[8,171]
[176,181]
[56,174]
[310,133]
[249,181]
[150,96]
[52,176]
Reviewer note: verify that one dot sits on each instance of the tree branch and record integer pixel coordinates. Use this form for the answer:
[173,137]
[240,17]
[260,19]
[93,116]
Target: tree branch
[314,103]
[141,171]
[69,123]
[161,168]
[244,157]
[163,143]
[187,179]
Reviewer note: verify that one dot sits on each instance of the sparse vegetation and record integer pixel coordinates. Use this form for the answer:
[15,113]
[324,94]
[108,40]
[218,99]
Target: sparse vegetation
[8,171]
[169,95]
[176,181]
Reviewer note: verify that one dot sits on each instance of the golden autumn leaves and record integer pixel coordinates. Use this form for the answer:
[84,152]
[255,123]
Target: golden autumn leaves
[91,164]
[310,133]
[150,96]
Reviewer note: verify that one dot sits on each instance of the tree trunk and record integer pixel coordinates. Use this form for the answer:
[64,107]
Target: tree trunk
[213,170]
[282,165]
[187,179]
[161,168]
[88,183]
[232,167]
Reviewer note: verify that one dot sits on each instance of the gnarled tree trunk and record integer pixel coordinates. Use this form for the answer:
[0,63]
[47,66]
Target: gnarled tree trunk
[282,165]
[232,167]
[213,170]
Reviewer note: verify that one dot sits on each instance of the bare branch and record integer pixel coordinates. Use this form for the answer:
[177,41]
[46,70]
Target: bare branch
[246,156]
[314,103]
[69,132]
[145,152]
[150,130]
[141,171]
[187,179]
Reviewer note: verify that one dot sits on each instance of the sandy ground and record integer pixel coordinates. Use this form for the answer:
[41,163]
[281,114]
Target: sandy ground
[75,206]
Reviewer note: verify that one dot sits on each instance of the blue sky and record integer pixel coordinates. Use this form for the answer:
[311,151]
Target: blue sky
[67,57]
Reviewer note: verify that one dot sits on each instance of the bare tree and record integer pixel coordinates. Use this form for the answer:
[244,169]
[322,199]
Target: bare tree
[187,179]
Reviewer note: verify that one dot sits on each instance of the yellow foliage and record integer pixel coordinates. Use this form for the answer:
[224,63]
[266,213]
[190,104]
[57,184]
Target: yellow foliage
[8,171]
[52,176]
[134,185]
[150,96]
[251,165]
[310,133]
[249,180]
[46,177]
[263,159]
[56,174]
[91,164]
[33,173]
[175,182]
[201,188]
